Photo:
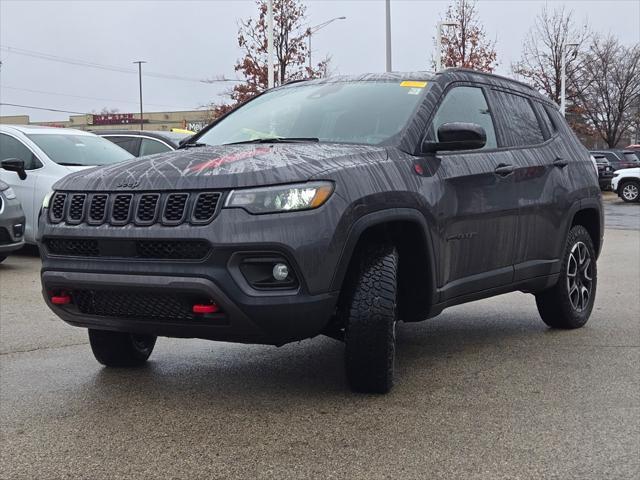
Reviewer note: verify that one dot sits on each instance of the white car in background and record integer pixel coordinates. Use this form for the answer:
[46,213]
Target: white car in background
[33,158]
[626,183]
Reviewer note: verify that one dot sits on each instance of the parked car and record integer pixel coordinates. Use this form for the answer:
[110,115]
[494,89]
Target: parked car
[33,158]
[605,170]
[619,159]
[11,222]
[140,143]
[626,183]
[333,206]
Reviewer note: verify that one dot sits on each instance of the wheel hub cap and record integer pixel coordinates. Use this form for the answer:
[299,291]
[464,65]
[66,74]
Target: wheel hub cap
[579,277]
[630,192]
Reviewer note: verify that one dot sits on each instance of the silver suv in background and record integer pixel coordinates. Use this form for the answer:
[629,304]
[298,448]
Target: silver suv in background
[33,158]
[11,222]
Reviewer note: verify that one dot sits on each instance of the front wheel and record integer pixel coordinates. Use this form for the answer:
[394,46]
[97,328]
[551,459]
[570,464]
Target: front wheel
[370,330]
[120,349]
[630,191]
[568,304]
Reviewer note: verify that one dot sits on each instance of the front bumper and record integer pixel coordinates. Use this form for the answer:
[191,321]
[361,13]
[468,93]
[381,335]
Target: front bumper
[248,315]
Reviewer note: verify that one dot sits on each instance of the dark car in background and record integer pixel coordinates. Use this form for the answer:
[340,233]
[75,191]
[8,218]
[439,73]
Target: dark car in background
[144,142]
[605,170]
[11,221]
[619,159]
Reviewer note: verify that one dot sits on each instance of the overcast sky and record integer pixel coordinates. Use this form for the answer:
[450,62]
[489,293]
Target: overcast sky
[198,39]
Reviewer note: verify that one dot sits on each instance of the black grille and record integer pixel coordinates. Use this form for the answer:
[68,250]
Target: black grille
[98,208]
[76,208]
[175,206]
[121,209]
[143,209]
[172,250]
[57,206]
[147,206]
[74,247]
[138,305]
[205,207]
[143,249]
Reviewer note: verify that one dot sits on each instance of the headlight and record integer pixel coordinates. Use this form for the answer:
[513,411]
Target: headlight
[9,193]
[47,199]
[282,198]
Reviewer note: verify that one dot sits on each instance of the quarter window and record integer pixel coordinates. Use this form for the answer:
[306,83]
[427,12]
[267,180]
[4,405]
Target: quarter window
[12,148]
[465,104]
[520,122]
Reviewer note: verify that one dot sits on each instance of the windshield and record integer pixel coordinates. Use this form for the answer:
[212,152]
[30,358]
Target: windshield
[79,150]
[341,112]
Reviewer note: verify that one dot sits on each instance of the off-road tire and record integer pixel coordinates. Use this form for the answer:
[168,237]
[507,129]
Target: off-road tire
[119,349]
[633,193]
[370,334]
[556,306]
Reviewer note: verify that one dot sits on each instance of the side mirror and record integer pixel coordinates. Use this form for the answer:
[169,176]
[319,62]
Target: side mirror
[14,165]
[457,136]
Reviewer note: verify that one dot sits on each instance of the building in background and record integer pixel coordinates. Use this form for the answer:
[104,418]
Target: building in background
[193,120]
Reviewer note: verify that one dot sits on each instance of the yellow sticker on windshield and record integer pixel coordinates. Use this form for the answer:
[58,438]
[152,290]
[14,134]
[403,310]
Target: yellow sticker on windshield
[413,84]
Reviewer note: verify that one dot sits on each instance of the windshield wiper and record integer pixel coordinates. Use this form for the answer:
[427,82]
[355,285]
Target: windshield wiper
[69,164]
[278,140]
[192,145]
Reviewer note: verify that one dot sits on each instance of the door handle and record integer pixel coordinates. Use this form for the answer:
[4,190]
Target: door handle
[504,170]
[560,162]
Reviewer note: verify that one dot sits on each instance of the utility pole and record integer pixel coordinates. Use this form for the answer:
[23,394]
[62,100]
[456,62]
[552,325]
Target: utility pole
[270,43]
[388,36]
[439,27]
[140,62]
[313,30]
[563,75]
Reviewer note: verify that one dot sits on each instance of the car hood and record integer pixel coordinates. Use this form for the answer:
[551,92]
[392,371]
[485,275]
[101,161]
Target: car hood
[223,166]
[628,171]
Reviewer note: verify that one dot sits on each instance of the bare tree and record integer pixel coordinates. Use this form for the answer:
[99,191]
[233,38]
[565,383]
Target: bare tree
[290,49]
[466,45]
[541,63]
[608,87]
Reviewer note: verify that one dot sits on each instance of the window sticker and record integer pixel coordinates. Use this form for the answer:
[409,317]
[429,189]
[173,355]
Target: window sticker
[414,91]
[413,84]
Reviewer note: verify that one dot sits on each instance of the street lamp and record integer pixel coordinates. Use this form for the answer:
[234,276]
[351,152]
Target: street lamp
[312,30]
[439,27]
[388,34]
[140,62]
[563,75]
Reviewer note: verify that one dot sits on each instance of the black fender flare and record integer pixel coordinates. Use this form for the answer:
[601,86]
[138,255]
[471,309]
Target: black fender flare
[378,218]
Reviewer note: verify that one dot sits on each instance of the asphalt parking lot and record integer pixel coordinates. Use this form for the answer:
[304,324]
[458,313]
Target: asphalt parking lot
[484,391]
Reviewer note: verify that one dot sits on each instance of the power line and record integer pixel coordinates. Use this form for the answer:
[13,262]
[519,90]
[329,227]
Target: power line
[112,68]
[89,98]
[43,108]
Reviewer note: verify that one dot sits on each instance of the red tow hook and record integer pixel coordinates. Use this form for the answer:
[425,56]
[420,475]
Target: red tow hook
[205,308]
[62,299]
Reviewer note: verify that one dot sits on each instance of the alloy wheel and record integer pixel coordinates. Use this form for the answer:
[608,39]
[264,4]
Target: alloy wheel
[579,277]
[630,192]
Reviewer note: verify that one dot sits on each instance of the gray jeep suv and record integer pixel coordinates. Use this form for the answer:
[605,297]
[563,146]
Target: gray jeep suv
[336,206]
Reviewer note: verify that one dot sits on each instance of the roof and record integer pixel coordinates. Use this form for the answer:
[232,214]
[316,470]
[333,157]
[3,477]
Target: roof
[173,137]
[39,129]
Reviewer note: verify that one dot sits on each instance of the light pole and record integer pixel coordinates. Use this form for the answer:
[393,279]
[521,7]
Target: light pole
[270,44]
[439,27]
[388,34]
[563,75]
[140,62]
[313,30]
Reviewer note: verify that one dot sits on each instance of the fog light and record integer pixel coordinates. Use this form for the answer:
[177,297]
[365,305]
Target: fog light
[280,272]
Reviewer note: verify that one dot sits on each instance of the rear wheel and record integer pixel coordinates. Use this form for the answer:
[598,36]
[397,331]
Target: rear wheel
[568,304]
[630,191]
[370,333]
[120,349]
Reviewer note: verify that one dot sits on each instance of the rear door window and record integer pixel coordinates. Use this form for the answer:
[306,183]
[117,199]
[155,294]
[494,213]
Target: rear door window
[520,123]
[465,104]
[149,147]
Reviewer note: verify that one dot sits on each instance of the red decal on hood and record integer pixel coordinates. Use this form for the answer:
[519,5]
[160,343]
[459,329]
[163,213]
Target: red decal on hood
[230,158]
